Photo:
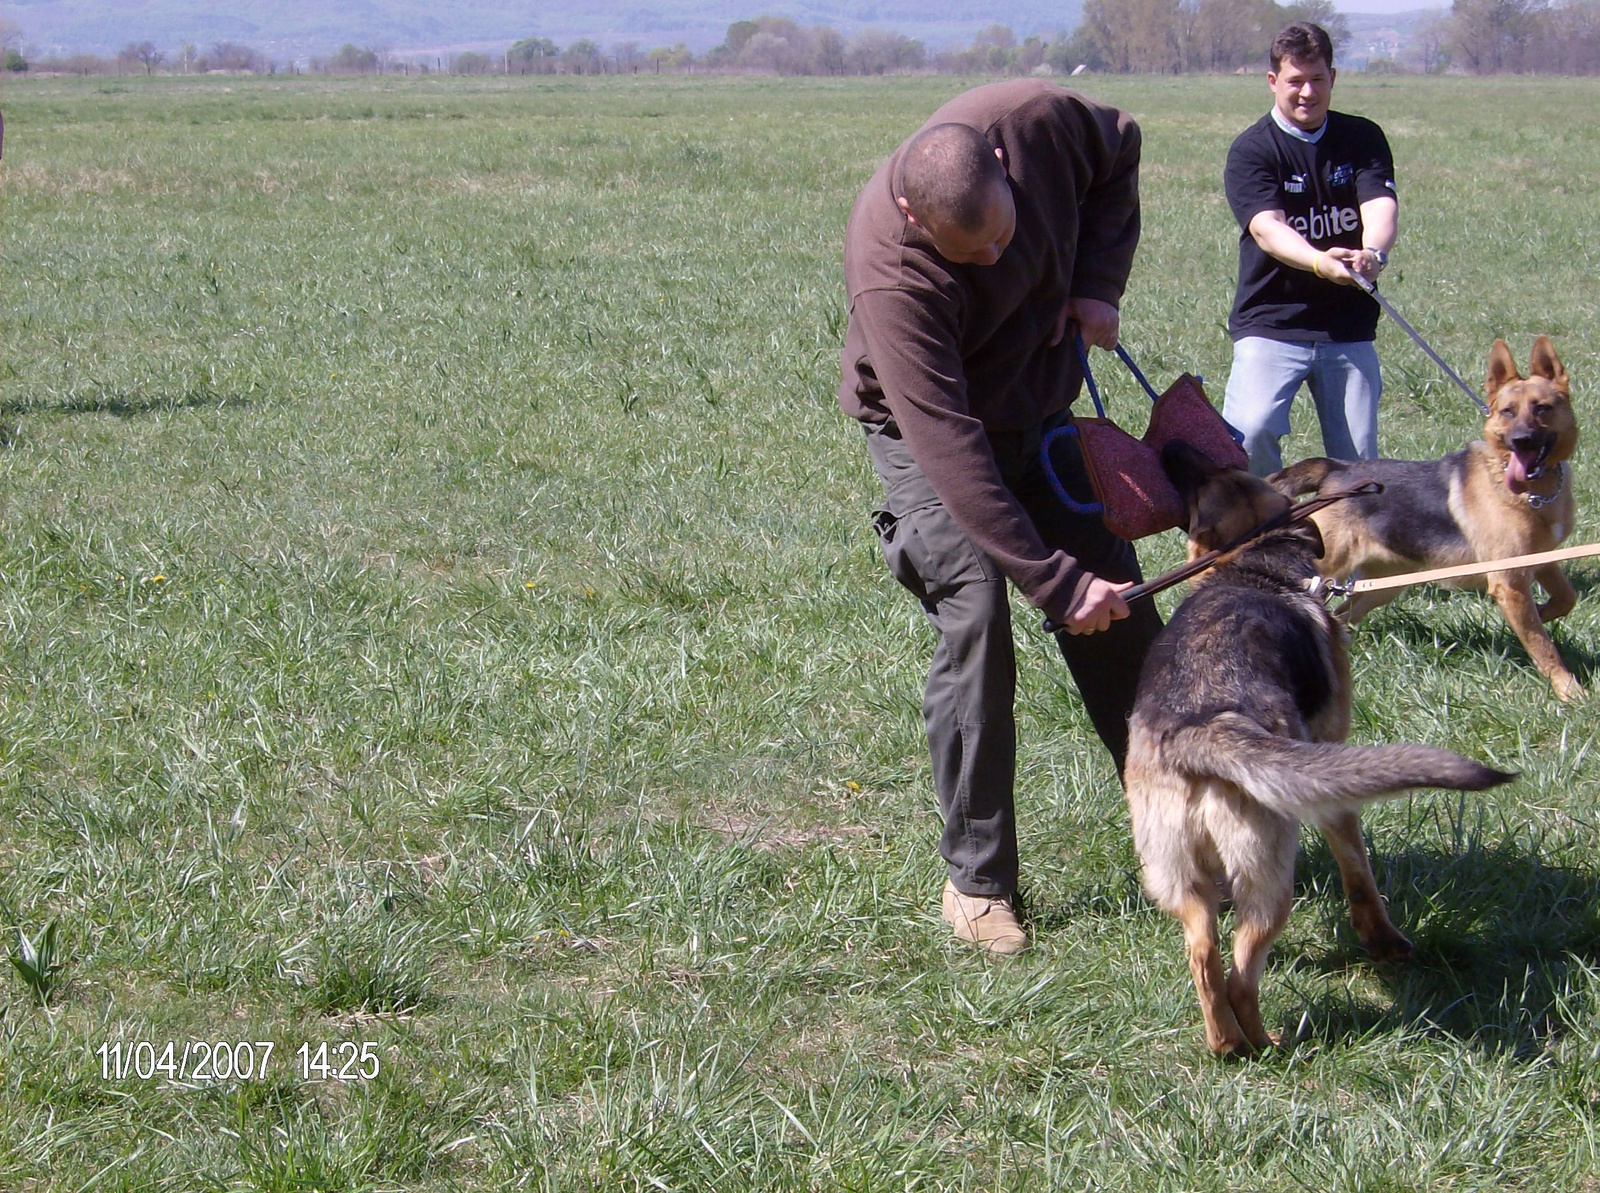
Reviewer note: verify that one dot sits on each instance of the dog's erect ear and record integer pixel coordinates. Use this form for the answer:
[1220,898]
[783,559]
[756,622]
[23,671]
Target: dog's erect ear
[1186,467]
[1502,369]
[1225,504]
[1545,363]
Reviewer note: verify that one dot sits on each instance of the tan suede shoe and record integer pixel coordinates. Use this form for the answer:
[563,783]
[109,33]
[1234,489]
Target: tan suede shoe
[988,921]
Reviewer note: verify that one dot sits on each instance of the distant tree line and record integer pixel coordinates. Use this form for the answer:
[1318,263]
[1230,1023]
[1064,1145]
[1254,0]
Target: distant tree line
[1181,36]
[1119,36]
[144,58]
[1525,36]
[1125,37]
[1473,36]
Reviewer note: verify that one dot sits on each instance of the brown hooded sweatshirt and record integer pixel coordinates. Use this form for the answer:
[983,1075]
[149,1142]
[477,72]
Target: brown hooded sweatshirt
[954,352]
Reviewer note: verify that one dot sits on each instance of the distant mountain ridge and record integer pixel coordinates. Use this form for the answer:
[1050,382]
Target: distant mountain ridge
[289,29]
[285,29]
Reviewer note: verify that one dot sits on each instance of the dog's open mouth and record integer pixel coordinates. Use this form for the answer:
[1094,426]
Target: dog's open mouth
[1525,464]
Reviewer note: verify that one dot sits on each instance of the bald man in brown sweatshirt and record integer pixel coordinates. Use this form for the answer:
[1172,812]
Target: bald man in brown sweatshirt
[1004,226]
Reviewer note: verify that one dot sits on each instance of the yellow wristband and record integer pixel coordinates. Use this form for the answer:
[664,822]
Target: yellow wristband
[1316,268]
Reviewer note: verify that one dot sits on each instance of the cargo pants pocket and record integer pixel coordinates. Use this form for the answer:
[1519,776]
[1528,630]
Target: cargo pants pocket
[928,553]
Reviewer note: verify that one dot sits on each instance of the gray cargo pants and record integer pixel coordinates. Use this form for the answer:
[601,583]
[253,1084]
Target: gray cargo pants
[972,736]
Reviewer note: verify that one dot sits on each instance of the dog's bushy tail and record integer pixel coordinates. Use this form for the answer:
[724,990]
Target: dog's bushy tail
[1308,476]
[1305,779]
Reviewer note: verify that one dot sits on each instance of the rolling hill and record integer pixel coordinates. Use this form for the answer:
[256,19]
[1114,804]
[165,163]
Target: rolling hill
[288,28]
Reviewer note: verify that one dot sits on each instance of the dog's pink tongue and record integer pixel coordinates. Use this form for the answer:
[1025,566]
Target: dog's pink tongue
[1516,474]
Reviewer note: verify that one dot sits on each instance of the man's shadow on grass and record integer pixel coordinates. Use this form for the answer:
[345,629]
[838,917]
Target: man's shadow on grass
[1499,935]
[123,403]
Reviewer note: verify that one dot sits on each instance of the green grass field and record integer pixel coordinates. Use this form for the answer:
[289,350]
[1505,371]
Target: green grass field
[442,632]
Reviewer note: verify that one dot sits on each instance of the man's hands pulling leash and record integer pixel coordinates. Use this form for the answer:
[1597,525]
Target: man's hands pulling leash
[1098,322]
[1101,605]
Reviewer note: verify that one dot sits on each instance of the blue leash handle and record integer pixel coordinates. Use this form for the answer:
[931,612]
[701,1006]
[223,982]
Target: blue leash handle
[1093,508]
[1088,374]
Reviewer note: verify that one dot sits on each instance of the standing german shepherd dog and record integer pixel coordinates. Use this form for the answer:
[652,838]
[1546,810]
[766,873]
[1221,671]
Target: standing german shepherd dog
[1237,736]
[1505,495]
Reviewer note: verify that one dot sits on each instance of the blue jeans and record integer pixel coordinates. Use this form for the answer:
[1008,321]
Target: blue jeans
[1344,384]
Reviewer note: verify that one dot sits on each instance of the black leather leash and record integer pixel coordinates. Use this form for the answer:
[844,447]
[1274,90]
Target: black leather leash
[1295,513]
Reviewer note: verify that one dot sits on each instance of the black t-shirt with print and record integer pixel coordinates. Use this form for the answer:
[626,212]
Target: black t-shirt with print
[1319,187]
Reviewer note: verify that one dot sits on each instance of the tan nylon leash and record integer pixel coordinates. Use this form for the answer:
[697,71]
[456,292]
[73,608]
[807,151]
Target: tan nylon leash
[1514,563]
[1353,587]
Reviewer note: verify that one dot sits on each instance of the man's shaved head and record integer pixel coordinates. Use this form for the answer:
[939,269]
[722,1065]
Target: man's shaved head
[949,175]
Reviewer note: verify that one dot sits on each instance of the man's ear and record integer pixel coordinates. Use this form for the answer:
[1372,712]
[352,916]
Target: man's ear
[905,210]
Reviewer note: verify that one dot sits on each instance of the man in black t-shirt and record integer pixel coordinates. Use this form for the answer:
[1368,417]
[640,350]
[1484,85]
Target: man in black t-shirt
[1314,195]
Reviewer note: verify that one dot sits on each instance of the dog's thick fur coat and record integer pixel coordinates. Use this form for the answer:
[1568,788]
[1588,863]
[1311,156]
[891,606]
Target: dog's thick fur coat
[1237,735]
[1502,496]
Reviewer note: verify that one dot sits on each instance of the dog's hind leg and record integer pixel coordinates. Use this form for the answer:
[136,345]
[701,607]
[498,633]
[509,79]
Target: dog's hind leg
[1181,873]
[1225,1036]
[1256,849]
[1262,897]
[1378,935]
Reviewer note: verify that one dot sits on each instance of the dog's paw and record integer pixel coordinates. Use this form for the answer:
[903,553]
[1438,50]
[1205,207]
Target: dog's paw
[1232,1049]
[1387,943]
[1241,1048]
